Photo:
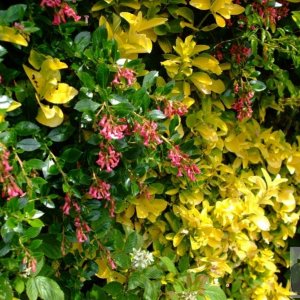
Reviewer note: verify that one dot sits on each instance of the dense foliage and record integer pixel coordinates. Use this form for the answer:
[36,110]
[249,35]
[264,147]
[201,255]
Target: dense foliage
[149,149]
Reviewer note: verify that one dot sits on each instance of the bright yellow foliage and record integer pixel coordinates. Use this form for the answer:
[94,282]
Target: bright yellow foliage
[46,82]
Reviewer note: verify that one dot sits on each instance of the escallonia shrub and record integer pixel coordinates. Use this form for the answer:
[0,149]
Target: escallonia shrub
[145,149]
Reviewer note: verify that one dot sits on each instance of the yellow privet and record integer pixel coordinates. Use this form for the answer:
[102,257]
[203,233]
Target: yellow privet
[220,9]
[6,105]
[46,82]
[184,65]
[12,35]
[138,39]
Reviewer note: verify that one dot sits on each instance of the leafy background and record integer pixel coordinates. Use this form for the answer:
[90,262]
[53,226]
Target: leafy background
[149,149]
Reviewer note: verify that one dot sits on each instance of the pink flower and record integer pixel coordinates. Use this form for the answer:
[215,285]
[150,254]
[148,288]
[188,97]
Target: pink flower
[70,13]
[243,106]
[175,108]
[100,190]
[124,73]
[80,235]
[148,131]
[14,191]
[110,130]
[50,3]
[108,158]
[183,163]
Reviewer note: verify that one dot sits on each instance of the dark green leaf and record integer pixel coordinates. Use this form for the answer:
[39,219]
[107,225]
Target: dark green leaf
[102,74]
[113,288]
[122,259]
[86,105]
[30,233]
[28,145]
[123,109]
[131,242]
[26,128]
[152,290]
[51,246]
[5,248]
[149,79]
[61,133]
[71,155]
[3,51]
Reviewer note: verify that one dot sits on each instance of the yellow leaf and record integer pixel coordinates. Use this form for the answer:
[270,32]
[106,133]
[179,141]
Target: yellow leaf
[60,94]
[35,78]
[14,105]
[219,20]
[8,34]
[36,59]
[150,208]
[262,222]
[217,5]
[201,4]
[236,9]
[51,117]
[207,62]
[201,77]
[53,64]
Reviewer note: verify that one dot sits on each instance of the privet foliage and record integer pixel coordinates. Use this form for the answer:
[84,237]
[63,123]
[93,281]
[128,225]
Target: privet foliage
[149,149]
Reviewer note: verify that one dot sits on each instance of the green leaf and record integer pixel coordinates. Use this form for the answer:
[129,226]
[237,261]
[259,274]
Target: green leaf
[19,285]
[51,246]
[122,259]
[131,242]
[149,79]
[82,40]
[296,17]
[152,290]
[123,109]
[86,105]
[136,279]
[28,145]
[34,164]
[156,114]
[113,288]
[35,223]
[169,264]
[61,133]
[13,13]
[71,155]
[87,80]
[6,292]
[3,51]
[257,85]
[26,128]
[31,289]
[30,233]
[214,292]
[47,288]
[4,249]
[102,75]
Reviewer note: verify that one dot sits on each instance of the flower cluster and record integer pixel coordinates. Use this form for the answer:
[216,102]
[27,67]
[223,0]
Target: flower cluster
[183,163]
[239,53]
[271,14]
[111,130]
[29,265]
[82,228]
[9,189]
[65,11]
[141,259]
[147,130]
[173,108]
[243,105]
[108,157]
[124,76]
[69,204]
[100,190]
